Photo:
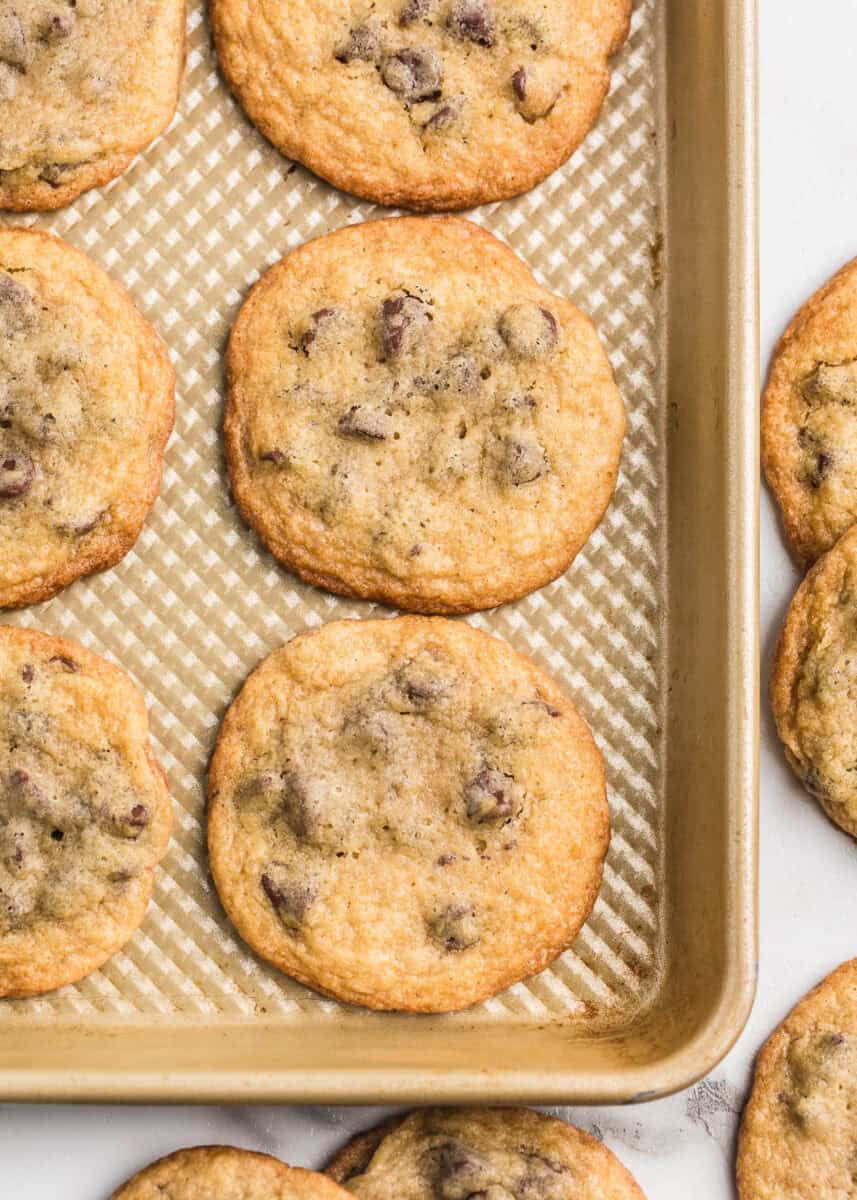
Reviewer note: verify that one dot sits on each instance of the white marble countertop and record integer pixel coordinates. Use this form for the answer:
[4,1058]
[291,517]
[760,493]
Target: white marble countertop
[808,869]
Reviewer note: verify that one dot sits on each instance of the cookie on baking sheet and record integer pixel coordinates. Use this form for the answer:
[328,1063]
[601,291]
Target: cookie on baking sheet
[428,104]
[85,813]
[406,814]
[814,682]
[809,420]
[86,408]
[84,86]
[462,1153]
[797,1133]
[226,1173]
[412,418]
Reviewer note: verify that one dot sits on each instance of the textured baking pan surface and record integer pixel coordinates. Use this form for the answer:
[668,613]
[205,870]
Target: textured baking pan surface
[187,1011]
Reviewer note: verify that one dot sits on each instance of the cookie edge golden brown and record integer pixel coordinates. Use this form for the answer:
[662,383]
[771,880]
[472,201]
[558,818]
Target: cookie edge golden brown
[227,747]
[339,577]
[191,1157]
[161,386]
[788,657]
[40,196]
[36,980]
[457,195]
[767,1062]
[785,490]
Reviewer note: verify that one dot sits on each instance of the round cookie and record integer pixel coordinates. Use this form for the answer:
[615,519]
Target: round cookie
[86,408]
[809,420]
[814,681]
[427,104]
[412,418]
[85,813]
[500,1153]
[225,1173]
[797,1133]
[406,814]
[84,86]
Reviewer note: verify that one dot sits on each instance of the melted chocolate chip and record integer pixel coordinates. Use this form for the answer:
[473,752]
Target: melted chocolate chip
[289,897]
[402,323]
[363,44]
[519,83]
[529,330]
[56,27]
[322,325]
[831,383]
[419,686]
[415,73]
[68,664]
[489,798]
[460,1172]
[416,10]
[472,21]
[522,460]
[297,805]
[544,1179]
[27,673]
[277,457]
[455,926]
[17,472]
[445,115]
[363,422]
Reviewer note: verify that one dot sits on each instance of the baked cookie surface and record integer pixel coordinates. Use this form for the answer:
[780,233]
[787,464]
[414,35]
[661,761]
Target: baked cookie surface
[412,418]
[797,1133]
[85,813]
[502,1153]
[428,104]
[809,420]
[84,86]
[814,681]
[86,408]
[226,1173]
[406,814]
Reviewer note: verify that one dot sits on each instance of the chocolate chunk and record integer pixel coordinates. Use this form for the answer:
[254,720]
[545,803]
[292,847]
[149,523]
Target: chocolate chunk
[402,323]
[13,43]
[68,664]
[831,383]
[298,806]
[27,673]
[17,472]
[819,460]
[472,21]
[16,305]
[363,44]
[321,329]
[519,84]
[529,330]
[360,421]
[445,115]
[416,10]
[455,926]
[55,173]
[544,1179]
[415,73]
[290,898]
[419,686]
[56,27]
[460,1172]
[489,798]
[373,728]
[536,89]
[522,460]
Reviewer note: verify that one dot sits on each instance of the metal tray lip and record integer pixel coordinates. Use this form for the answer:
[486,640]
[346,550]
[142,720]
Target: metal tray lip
[727,1018]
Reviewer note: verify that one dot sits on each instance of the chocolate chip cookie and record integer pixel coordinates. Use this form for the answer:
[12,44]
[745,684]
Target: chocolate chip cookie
[412,418]
[85,85]
[809,420]
[406,814]
[86,408]
[814,682]
[427,104]
[500,1154]
[797,1135]
[225,1173]
[85,813]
